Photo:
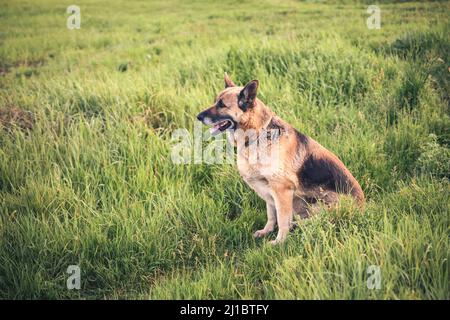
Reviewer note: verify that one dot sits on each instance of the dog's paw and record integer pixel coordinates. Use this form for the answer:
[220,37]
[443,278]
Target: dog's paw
[277,241]
[260,233]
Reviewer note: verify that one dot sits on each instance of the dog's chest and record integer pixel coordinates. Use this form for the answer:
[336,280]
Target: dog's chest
[251,169]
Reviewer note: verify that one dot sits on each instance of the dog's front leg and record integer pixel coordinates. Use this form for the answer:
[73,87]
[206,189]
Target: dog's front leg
[271,221]
[283,197]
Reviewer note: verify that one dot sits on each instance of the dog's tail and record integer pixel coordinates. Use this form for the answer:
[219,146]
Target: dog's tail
[345,182]
[348,184]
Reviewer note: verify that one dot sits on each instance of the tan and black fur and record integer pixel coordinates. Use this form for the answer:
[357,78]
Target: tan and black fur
[304,174]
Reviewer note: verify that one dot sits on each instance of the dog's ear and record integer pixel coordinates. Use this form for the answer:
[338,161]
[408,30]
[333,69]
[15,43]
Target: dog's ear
[228,81]
[247,96]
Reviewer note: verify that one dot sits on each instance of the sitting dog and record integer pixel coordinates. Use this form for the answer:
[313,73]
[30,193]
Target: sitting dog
[301,176]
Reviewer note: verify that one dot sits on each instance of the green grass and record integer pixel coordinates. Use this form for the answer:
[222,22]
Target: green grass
[92,182]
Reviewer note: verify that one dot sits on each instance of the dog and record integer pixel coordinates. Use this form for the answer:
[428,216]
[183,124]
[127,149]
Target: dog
[304,176]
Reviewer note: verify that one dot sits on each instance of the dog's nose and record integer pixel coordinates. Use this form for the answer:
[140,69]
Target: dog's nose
[201,116]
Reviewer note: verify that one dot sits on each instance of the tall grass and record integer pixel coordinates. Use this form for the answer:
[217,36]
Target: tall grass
[92,183]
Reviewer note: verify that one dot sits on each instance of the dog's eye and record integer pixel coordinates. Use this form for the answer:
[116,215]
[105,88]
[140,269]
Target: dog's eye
[220,104]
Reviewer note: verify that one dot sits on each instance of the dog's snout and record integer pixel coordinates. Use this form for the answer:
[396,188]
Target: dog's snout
[201,116]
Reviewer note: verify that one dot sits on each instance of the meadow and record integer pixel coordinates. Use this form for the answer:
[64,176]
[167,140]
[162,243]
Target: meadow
[87,116]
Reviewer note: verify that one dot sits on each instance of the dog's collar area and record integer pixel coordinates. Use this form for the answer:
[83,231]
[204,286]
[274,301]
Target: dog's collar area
[266,126]
[271,130]
[270,136]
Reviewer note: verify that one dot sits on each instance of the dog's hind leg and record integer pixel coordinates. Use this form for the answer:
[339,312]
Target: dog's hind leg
[330,199]
[302,208]
[305,207]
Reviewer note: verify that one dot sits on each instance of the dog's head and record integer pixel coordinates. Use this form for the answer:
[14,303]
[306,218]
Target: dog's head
[229,106]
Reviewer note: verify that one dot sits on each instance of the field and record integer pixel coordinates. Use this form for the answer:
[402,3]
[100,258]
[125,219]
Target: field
[86,176]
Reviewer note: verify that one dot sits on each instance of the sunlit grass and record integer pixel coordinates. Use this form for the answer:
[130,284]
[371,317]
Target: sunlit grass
[92,182]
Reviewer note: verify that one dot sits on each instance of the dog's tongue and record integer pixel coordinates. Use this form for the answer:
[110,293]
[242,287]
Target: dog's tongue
[219,127]
[215,129]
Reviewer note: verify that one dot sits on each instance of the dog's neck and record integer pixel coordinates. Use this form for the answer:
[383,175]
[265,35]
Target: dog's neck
[256,118]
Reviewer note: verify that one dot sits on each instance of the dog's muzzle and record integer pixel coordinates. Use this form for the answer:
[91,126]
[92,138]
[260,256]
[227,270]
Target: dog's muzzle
[201,116]
[218,125]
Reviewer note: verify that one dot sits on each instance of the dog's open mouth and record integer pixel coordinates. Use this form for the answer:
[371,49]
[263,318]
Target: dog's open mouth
[220,126]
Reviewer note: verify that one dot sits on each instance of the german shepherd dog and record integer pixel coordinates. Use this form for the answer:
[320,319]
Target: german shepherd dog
[304,175]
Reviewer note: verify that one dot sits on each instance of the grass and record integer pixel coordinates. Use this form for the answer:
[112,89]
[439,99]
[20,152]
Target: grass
[88,180]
